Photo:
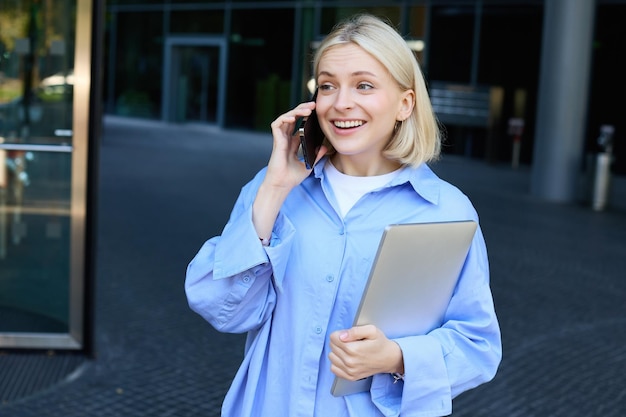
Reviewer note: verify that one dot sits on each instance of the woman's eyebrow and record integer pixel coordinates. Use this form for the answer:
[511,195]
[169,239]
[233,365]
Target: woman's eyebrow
[354,74]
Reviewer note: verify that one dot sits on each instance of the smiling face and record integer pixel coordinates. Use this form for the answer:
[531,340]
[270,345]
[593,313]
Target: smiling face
[358,105]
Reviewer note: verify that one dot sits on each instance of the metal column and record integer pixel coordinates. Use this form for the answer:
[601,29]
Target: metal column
[563,93]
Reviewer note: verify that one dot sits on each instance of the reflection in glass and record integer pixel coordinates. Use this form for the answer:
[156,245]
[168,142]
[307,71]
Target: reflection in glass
[36,95]
[34,241]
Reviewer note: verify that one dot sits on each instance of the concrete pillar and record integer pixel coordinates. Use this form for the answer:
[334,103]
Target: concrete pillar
[562,101]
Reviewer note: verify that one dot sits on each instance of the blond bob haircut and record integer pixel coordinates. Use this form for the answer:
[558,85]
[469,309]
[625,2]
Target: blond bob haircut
[418,138]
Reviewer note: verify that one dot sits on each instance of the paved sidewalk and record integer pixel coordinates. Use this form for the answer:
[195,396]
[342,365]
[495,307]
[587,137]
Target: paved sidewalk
[557,276]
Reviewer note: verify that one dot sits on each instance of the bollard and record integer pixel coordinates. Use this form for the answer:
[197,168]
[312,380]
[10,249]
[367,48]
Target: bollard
[602,177]
[602,180]
[516,128]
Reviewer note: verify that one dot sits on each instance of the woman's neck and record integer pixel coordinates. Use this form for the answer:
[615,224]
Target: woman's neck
[358,168]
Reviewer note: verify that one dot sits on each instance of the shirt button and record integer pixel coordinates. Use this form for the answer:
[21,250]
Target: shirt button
[246,278]
[318,329]
[330,278]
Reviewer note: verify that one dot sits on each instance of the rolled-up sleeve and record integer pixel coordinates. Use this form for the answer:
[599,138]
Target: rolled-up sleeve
[232,280]
[219,280]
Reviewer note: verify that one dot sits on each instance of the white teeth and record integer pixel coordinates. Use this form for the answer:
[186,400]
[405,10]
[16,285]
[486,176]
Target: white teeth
[348,124]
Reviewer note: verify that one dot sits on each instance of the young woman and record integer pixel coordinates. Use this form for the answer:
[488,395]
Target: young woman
[291,263]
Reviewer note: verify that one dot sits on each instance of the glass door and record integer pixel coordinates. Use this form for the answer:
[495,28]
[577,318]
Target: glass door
[194,79]
[195,70]
[43,171]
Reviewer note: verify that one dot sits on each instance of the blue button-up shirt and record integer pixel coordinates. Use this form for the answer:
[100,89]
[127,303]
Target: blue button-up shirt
[289,297]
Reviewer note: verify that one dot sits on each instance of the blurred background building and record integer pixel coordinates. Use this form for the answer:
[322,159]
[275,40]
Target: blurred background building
[531,83]
[238,64]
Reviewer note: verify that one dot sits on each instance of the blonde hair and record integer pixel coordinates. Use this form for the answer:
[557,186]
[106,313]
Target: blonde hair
[418,138]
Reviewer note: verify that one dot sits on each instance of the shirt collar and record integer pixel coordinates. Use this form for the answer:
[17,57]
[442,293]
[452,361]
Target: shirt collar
[423,180]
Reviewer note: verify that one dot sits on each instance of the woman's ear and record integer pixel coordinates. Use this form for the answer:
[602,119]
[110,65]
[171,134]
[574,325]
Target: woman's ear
[406,105]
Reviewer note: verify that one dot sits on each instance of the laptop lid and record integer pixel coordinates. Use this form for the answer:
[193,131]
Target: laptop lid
[411,282]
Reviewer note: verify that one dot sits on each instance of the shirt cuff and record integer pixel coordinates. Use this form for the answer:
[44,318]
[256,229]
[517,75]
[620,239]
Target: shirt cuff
[238,248]
[425,390]
[280,247]
[425,377]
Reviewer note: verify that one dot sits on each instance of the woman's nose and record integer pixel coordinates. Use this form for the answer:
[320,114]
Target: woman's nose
[344,99]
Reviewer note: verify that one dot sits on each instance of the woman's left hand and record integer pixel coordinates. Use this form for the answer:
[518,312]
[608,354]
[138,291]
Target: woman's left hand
[363,351]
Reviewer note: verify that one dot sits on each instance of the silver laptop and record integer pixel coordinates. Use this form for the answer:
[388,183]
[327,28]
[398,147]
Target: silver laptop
[411,282]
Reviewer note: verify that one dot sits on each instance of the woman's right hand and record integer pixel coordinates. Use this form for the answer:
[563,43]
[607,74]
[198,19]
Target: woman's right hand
[285,170]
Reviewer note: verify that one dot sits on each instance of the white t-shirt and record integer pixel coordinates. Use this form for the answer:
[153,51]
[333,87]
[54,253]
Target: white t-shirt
[349,189]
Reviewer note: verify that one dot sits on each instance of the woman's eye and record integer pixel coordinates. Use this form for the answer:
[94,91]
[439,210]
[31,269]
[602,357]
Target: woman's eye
[325,87]
[365,86]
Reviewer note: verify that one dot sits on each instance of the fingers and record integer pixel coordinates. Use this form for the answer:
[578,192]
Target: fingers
[350,354]
[346,365]
[285,163]
[362,351]
[360,333]
[341,368]
[285,168]
[285,123]
[353,334]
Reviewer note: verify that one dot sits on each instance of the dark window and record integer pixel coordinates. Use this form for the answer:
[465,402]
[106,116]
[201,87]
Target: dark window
[138,70]
[451,40]
[259,69]
[197,21]
[510,53]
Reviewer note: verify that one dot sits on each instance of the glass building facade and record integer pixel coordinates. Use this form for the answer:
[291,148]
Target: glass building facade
[46,144]
[239,64]
[235,64]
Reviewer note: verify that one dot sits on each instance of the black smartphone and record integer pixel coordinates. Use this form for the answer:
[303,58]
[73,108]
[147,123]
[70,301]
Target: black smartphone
[311,136]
